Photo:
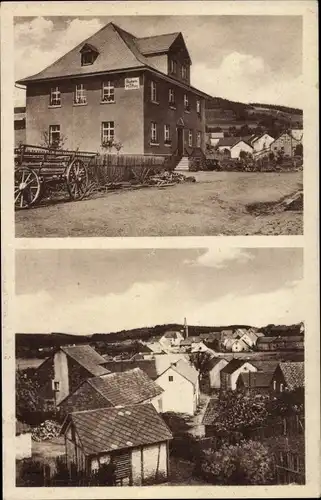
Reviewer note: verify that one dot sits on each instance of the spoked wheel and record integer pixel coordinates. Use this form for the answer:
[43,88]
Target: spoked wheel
[27,187]
[77,179]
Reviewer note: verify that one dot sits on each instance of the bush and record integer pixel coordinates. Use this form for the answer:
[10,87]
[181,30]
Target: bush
[248,463]
[32,473]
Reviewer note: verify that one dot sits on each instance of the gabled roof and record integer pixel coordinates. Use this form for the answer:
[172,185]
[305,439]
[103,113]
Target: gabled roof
[215,361]
[147,365]
[110,429]
[282,338]
[231,141]
[123,388]
[210,411]
[257,379]
[185,369]
[267,366]
[234,365]
[87,357]
[156,44]
[293,372]
[117,50]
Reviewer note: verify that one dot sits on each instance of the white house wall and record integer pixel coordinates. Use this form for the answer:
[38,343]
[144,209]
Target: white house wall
[155,461]
[263,142]
[23,446]
[214,374]
[178,395]
[241,146]
[247,367]
[61,375]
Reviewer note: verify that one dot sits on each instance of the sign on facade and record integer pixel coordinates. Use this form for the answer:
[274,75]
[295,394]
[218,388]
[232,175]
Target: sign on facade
[131,83]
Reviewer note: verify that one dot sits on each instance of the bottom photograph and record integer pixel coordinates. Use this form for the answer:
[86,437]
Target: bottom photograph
[159,367]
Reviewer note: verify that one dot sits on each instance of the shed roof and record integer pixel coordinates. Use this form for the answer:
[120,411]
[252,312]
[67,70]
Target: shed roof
[293,372]
[234,365]
[210,410]
[87,357]
[110,429]
[123,388]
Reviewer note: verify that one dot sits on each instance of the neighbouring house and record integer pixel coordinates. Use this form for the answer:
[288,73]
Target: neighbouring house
[229,374]
[23,441]
[234,145]
[114,389]
[235,345]
[135,439]
[214,372]
[180,382]
[249,336]
[87,95]
[262,142]
[19,126]
[171,338]
[65,369]
[193,344]
[286,143]
[155,346]
[288,375]
[284,343]
[214,137]
[255,382]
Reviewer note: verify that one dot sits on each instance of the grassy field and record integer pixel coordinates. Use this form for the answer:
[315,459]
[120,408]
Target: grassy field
[217,204]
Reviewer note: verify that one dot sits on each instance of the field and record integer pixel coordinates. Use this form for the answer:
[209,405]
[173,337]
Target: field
[217,204]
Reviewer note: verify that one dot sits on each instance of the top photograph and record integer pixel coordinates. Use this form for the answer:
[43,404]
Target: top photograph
[131,126]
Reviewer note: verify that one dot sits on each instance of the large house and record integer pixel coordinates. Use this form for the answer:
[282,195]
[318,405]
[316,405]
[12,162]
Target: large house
[63,372]
[118,87]
[134,439]
[289,375]
[287,142]
[114,389]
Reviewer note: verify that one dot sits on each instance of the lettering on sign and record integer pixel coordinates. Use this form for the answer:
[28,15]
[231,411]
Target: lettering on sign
[131,83]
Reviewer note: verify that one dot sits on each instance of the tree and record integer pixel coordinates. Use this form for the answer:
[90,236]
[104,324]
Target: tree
[57,144]
[298,151]
[237,414]
[246,463]
[201,361]
[287,403]
[27,394]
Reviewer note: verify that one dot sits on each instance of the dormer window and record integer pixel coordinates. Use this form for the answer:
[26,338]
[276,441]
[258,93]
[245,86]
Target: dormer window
[173,67]
[88,54]
[184,72]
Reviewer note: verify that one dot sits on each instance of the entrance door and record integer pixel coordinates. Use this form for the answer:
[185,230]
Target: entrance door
[180,140]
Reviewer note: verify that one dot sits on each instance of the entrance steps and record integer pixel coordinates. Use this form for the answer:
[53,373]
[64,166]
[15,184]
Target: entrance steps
[182,166]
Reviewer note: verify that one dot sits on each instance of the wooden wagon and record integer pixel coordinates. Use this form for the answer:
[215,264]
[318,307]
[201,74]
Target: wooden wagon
[37,168]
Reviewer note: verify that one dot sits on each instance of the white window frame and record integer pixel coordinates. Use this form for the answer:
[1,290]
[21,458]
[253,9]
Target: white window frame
[186,102]
[53,131]
[190,138]
[198,106]
[80,97]
[153,91]
[107,131]
[184,71]
[167,133]
[198,139]
[153,132]
[55,96]
[173,66]
[86,54]
[171,97]
[108,92]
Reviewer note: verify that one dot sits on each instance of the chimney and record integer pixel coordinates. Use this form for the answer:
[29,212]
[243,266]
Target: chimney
[185,328]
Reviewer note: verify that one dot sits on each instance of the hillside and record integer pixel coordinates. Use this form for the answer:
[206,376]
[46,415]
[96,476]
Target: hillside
[41,344]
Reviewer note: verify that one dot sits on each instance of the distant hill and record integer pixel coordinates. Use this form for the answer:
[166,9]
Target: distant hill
[42,344]
[237,118]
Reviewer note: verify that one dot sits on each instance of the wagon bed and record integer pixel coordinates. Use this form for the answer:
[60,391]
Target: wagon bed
[39,167]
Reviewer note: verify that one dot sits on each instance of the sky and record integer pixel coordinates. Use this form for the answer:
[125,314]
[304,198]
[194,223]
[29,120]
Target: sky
[242,58]
[101,291]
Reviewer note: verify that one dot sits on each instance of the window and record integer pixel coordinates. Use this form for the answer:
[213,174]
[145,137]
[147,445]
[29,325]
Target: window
[87,57]
[107,131]
[108,92]
[184,72]
[186,103]
[80,94]
[54,135]
[198,106]
[190,138]
[153,92]
[171,97]
[281,387]
[198,139]
[55,96]
[274,385]
[167,138]
[56,386]
[170,378]
[153,131]
[173,67]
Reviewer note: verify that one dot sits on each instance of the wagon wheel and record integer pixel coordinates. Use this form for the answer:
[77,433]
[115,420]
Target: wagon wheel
[27,187]
[77,179]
